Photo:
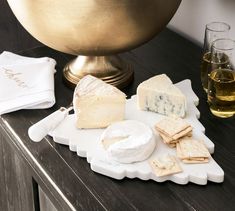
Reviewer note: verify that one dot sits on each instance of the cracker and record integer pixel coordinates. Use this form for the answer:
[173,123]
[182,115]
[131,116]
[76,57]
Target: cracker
[166,165]
[178,151]
[165,138]
[170,140]
[171,130]
[192,161]
[192,151]
[190,148]
[172,145]
[171,126]
[183,133]
[174,142]
[190,134]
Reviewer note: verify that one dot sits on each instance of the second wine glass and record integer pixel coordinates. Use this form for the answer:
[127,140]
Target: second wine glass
[213,31]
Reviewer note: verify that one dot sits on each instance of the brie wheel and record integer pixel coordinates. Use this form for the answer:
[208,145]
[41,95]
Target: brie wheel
[128,141]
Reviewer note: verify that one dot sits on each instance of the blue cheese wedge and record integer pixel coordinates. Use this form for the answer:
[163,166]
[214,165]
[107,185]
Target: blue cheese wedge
[160,95]
[97,104]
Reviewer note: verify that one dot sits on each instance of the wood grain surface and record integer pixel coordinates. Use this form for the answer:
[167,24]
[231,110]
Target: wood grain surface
[78,185]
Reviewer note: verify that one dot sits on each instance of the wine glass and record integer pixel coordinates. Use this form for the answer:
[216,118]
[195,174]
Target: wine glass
[213,31]
[221,80]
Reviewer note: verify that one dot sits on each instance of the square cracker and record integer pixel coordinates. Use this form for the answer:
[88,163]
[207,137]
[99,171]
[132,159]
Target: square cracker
[172,145]
[170,140]
[192,161]
[183,133]
[166,139]
[171,126]
[165,166]
[190,148]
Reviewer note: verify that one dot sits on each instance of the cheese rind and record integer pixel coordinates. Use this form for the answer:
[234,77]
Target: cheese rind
[160,95]
[128,141]
[97,104]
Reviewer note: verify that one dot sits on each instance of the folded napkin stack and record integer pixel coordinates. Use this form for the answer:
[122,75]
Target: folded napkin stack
[26,83]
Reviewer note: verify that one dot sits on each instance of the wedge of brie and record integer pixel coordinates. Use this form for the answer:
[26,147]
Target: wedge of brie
[97,104]
[160,95]
[128,141]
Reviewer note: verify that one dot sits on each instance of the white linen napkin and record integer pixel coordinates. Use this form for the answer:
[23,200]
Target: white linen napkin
[26,83]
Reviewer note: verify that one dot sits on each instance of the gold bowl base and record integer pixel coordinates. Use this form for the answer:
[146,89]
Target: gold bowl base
[111,69]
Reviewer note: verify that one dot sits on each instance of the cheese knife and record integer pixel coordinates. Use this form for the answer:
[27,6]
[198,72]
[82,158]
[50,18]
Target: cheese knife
[40,129]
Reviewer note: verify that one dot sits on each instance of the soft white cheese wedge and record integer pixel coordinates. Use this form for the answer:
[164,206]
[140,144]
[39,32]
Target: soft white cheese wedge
[160,95]
[97,104]
[128,141]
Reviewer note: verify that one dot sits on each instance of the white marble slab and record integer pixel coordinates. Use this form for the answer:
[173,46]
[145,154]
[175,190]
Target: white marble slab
[86,143]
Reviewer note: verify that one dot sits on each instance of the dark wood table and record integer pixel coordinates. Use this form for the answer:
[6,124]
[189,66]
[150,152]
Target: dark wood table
[48,176]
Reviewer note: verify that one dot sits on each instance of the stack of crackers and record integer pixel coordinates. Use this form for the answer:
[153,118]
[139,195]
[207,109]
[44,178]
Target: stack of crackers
[192,151]
[176,132]
[172,130]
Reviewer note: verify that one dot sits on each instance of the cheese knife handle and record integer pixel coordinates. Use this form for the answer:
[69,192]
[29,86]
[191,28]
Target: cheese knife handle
[39,130]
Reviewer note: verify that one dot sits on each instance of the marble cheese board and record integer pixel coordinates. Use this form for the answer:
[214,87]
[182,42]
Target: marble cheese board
[85,142]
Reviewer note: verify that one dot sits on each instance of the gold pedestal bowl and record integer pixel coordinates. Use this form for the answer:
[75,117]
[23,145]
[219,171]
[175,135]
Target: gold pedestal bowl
[95,31]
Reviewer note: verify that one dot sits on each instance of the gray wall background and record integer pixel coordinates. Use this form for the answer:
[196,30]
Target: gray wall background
[193,15]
